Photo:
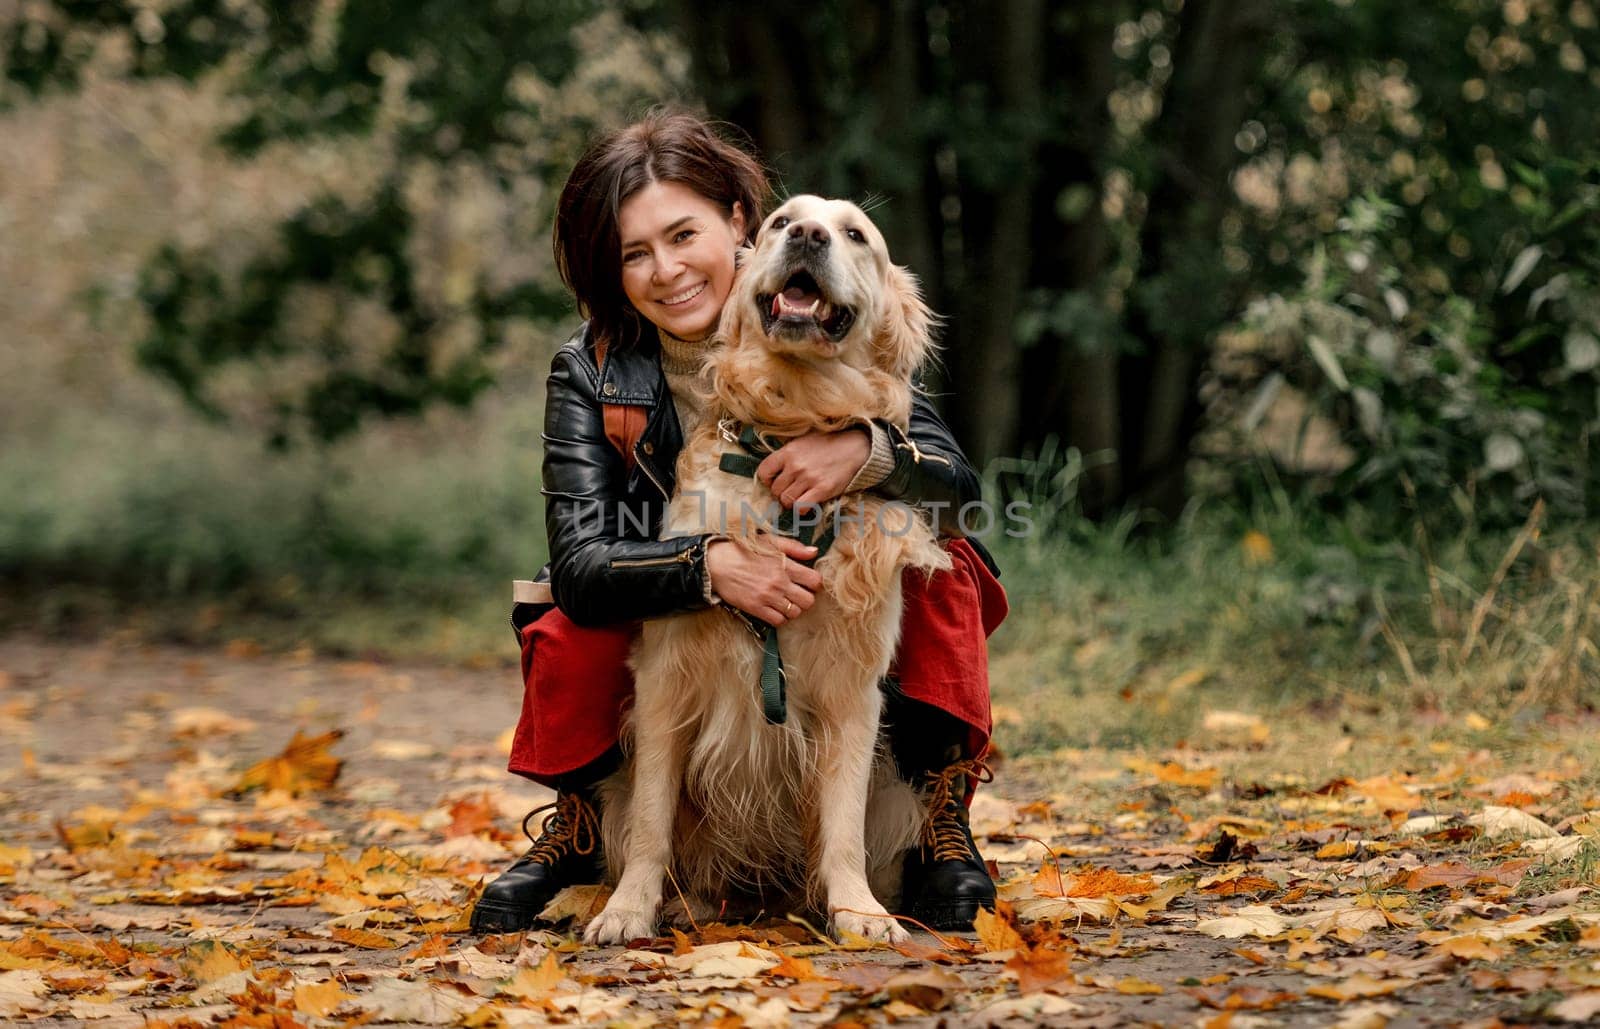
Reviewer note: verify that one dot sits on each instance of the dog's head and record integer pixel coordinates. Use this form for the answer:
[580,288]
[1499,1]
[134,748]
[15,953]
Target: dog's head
[818,285]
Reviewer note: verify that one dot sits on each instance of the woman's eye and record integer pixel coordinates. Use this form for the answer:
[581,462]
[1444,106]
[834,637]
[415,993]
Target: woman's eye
[632,256]
[779,222]
[683,236]
[855,235]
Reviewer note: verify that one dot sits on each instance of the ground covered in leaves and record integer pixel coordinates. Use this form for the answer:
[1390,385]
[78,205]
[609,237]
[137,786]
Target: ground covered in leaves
[236,838]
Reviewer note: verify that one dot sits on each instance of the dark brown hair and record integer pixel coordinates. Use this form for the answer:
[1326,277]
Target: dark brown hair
[663,146]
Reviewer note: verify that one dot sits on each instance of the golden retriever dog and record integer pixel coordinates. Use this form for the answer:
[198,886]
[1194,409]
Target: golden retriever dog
[820,332]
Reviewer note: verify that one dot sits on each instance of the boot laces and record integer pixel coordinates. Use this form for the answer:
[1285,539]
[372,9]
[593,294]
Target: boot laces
[573,827]
[945,831]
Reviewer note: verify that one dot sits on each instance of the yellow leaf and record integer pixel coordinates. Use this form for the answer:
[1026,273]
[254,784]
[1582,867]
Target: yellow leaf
[1339,849]
[1251,920]
[1357,986]
[208,961]
[535,983]
[1471,948]
[1132,985]
[579,903]
[995,930]
[319,999]
[1257,548]
[305,765]
[366,939]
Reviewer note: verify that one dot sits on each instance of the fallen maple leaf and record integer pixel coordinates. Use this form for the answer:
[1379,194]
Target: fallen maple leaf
[1039,968]
[930,989]
[996,930]
[579,903]
[208,961]
[1508,821]
[1357,986]
[319,999]
[1243,998]
[536,983]
[1104,882]
[1251,920]
[304,766]
[21,992]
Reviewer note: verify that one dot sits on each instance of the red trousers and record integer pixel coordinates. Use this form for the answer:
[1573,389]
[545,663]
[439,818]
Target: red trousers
[576,681]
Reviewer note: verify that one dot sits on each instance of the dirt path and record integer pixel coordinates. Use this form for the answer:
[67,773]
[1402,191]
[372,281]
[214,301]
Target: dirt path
[1270,874]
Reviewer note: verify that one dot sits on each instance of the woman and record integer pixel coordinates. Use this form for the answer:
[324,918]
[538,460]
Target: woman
[647,232]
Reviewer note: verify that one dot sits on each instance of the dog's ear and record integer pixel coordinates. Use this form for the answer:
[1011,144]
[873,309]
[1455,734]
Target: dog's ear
[737,310]
[905,337]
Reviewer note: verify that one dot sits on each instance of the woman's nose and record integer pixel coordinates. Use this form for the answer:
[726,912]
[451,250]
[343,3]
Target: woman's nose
[667,267]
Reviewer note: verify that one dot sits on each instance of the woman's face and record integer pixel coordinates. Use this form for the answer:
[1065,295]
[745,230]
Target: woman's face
[677,257]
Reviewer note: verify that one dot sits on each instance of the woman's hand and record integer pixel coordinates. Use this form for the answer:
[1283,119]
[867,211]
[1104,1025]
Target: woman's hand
[813,469]
[773,587]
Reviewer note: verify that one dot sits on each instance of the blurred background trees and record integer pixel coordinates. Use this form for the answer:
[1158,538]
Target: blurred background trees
[1350,243]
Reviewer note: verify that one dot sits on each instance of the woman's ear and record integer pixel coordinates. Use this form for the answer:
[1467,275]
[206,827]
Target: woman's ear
[905,340]
[736,222]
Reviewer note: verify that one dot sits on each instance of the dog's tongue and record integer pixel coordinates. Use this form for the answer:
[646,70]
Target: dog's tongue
[799,296]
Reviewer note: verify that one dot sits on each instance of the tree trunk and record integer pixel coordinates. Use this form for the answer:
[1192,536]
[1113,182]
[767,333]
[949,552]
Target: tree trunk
[1006,55]
[1203,107]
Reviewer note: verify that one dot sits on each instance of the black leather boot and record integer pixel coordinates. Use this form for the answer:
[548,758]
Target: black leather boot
[566,853]
[945,880]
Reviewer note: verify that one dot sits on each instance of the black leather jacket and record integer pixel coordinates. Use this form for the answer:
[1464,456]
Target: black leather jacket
[606,564]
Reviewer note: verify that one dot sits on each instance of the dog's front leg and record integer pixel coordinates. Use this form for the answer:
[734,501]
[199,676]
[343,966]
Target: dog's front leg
[631,912]
[845,757]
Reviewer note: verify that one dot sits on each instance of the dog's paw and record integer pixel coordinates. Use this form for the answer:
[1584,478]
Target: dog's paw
[619,926]
[877,928]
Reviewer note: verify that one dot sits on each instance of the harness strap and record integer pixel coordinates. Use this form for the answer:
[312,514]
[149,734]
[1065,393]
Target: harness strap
[773,682]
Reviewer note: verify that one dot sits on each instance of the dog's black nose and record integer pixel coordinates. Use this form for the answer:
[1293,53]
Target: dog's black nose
[811,235]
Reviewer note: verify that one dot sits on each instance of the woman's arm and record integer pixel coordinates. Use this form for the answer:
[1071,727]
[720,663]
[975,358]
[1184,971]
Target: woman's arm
[930,469]
[598,574]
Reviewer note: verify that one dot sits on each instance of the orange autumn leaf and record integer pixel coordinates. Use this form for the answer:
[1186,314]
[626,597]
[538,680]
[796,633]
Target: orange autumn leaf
[791,967]
[1039,968]
[1176,775]
[1357,987]
[1243,884]
[1471,948]
[1135,986]
[1105,882]
[996,929]
[319,999]
[1243,998]
[535,983]
[366,939]
[305,765]
[471,815]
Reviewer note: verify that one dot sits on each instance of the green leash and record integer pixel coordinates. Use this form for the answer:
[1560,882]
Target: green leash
[774,693]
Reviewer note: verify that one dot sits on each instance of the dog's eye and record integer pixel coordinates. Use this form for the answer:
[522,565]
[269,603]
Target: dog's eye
[779,222]
[855,235]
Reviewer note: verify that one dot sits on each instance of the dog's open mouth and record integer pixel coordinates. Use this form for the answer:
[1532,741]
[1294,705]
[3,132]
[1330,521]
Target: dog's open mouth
[801,305]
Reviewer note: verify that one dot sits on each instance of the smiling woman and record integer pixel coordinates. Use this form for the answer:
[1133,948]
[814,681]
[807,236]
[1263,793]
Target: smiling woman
[647,234]
[677,257]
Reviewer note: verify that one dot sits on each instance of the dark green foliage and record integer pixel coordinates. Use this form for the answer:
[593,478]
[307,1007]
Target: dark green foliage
[309,75]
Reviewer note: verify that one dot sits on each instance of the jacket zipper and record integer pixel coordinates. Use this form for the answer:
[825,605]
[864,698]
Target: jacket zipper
[683,558]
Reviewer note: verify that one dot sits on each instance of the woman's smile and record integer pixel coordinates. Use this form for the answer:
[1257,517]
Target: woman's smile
[685,296]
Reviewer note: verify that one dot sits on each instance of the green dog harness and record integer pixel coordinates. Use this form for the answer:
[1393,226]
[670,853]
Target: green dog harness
[774,699]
